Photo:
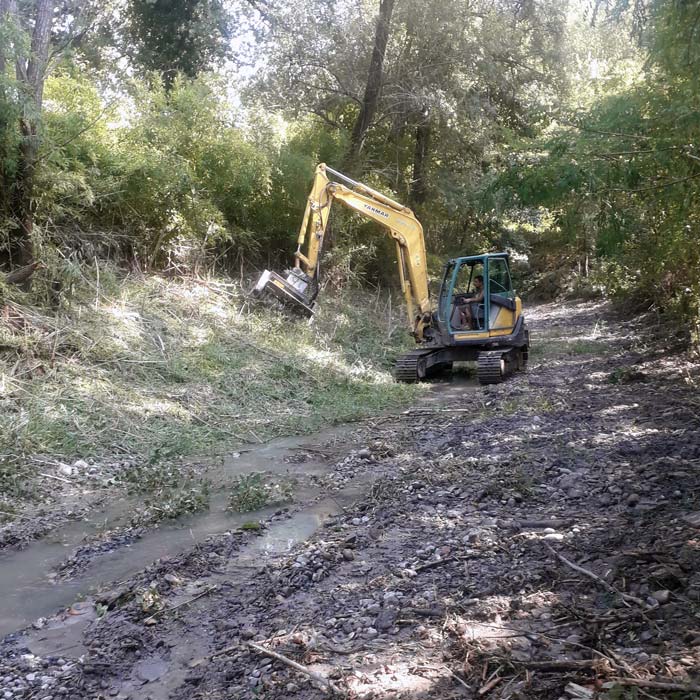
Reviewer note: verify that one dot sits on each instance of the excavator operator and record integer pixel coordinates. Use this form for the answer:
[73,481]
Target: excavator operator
[469,311]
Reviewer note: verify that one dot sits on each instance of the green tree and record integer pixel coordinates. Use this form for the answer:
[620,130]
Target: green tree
[457,80]
[26,32]
[372,93]
[181,36]
[619,170]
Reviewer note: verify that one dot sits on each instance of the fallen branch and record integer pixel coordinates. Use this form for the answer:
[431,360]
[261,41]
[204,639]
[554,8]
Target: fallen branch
[457,678]
[426,612]
[226,650]
[314,450]
[433,564]
[536,524]
[57,478]
[490,685]
[429,411]
[625,596]
[657,685]
[563,664]
[321,680]
[150,619]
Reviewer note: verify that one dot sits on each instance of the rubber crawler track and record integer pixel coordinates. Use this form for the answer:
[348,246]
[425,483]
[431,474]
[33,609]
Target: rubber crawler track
[495,366]
[492,367]
[406,368]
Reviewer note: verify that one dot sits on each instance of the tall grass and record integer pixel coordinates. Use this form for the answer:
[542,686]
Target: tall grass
[161,367]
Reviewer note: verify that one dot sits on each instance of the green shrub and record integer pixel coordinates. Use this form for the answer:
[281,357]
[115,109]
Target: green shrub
[252,492]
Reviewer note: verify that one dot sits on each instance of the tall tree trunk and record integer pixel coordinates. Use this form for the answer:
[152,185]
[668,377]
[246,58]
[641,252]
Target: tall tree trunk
[4,15]
[7,10]
[421,155]
[32,75]
[374,81]
[21,200]
[36,66]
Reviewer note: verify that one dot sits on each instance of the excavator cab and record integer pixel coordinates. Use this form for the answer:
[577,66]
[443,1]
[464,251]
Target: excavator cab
[481,285]
[464,284]
[495,336]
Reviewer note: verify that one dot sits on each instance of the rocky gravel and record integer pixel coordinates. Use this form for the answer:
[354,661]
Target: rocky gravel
[536,539]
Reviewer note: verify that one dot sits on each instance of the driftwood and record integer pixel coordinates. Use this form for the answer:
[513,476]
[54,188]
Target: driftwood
[150,619]
[321,680]
[490,685]
[433,564]
[625,596]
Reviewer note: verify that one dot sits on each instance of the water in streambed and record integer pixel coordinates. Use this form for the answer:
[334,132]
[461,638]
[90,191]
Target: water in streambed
[28,590]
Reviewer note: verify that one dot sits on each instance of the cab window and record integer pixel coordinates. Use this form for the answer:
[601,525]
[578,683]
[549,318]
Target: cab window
[445,289]
[464,284]
[499,277]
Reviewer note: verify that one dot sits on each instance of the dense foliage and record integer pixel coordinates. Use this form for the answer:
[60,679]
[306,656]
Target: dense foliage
[618,181]
[566,132]
[184,36]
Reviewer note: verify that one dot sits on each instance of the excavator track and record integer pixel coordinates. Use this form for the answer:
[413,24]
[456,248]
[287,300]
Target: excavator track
[409,368]
[495,366]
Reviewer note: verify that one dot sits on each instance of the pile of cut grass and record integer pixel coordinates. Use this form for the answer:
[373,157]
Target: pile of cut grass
[164,367]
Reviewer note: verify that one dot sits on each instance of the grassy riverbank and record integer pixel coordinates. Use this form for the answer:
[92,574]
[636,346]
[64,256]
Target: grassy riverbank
[156,367]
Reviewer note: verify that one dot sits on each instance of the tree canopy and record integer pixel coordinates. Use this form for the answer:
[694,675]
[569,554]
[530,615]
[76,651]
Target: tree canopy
[564,132]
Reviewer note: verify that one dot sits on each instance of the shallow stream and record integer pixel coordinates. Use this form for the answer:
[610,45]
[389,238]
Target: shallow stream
[29,589]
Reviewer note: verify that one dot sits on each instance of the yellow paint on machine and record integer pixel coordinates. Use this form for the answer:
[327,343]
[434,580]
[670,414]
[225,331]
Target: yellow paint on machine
[503,325]
[505,319]
[471,336]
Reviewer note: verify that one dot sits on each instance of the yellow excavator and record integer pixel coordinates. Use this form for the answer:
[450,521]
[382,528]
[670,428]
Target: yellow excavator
[478,316]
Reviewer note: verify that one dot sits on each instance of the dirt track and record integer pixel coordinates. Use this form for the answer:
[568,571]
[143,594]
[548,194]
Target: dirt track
[445,580]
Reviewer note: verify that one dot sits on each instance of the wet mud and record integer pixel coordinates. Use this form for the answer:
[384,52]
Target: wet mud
[78,557]
[537,539]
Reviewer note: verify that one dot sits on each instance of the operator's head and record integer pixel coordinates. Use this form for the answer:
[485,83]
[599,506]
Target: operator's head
[479,281]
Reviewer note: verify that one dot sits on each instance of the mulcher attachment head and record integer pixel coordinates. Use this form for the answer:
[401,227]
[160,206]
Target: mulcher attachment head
[295,291]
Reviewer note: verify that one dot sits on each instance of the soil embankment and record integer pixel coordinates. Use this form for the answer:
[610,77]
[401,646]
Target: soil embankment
[537,539]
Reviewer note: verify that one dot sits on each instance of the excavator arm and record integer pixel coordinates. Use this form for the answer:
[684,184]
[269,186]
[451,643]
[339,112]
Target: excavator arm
[399,222]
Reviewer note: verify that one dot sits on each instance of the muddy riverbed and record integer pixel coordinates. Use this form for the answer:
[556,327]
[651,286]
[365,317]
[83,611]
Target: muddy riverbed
[538,539]
[81,555]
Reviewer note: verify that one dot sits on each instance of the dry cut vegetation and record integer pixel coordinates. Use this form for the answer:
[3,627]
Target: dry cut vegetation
[156,368]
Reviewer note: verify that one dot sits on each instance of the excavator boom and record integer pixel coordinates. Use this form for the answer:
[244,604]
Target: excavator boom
[300,285]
